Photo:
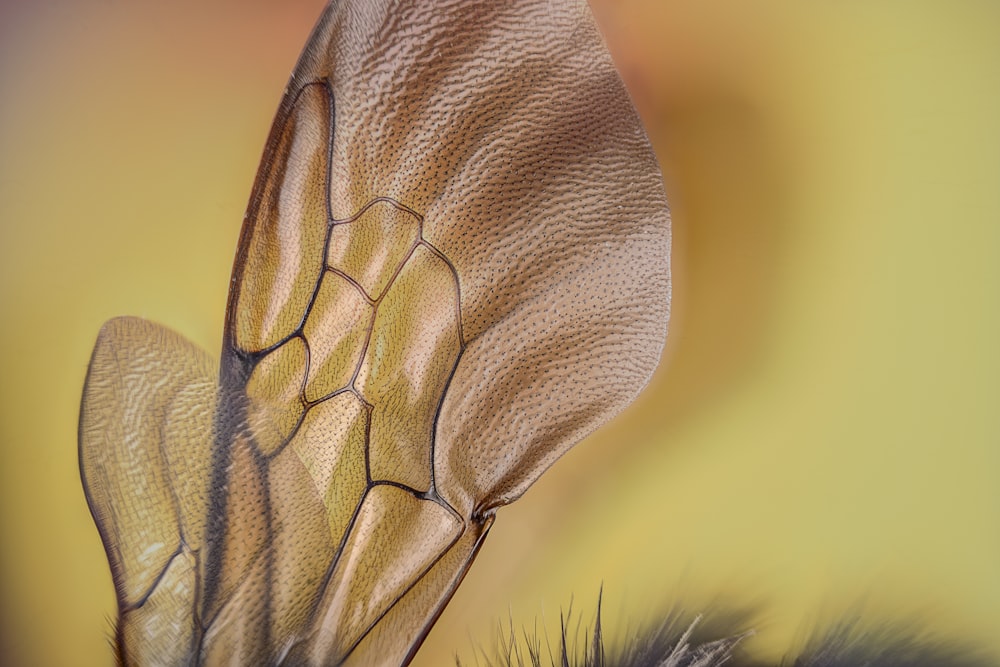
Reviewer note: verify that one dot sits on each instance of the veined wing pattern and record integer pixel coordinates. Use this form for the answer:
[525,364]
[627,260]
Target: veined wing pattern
[453,267]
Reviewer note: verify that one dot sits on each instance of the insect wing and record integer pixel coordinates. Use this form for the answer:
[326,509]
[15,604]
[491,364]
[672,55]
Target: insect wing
[145,441]
[454,266]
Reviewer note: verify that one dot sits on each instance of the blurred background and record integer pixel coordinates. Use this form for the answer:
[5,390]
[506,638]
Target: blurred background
[824,433]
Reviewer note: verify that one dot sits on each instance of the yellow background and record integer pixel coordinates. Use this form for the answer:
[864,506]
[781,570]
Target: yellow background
[824,431]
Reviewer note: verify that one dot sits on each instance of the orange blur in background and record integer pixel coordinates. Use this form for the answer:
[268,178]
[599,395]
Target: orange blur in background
[823,431]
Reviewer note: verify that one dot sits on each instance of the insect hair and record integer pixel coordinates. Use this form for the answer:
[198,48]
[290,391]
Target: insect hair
[678,638]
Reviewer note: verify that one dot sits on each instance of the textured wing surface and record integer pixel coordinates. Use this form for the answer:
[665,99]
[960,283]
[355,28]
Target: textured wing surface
[506,128]
[145,439]
[454,267]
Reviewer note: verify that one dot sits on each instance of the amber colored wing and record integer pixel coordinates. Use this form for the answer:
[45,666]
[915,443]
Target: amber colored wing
[454,266]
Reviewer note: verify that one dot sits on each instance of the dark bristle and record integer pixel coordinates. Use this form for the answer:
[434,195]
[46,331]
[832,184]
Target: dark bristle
[851,644]
[678,641]
[597,643]
[683,640]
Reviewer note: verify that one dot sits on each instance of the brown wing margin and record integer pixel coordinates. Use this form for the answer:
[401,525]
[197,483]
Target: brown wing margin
[306,73]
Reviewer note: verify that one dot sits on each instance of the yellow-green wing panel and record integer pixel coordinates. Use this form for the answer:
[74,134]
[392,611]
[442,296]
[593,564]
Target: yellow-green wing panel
[396,538]
[414,346]
[336,330]
[403,628]
[287,227]
[332,445]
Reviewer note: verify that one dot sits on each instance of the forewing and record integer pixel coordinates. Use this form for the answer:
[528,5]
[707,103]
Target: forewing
[145,437]
[505,128]
[453,267]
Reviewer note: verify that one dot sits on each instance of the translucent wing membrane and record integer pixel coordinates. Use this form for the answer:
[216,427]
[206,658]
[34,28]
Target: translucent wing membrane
[454,266]
[145,438]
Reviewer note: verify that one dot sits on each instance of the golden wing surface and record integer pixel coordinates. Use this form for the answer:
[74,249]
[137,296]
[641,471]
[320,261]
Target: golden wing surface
[453,267]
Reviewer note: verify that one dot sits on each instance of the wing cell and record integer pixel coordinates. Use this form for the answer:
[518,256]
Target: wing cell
[372,245]
[287,229]
[396,538]
[415,344]
[337,330]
